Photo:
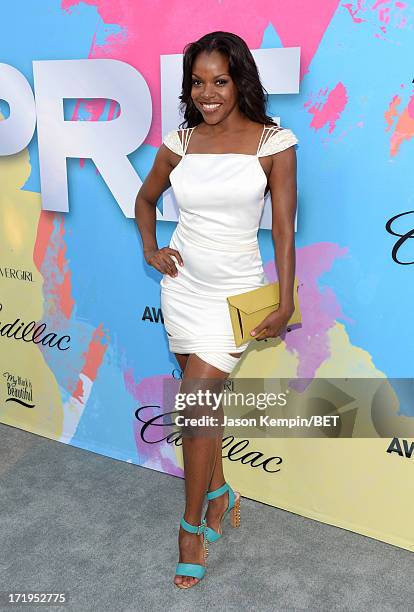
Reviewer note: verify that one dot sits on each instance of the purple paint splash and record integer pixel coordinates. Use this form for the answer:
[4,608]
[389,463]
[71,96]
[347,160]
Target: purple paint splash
[149,392]
[319,309]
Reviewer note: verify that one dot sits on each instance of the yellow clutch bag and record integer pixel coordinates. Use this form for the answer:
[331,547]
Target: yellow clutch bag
[250,308]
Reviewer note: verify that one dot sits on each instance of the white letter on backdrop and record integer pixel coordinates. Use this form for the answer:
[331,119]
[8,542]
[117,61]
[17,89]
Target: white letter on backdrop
[17,130]
[107,143]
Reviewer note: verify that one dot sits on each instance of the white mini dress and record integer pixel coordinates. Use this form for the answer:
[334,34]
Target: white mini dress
[220,197]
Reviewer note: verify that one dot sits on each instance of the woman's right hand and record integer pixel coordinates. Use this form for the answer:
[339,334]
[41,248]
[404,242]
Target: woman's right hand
[161,260]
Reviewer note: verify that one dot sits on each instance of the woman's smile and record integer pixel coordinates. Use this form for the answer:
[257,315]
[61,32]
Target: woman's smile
[210,108]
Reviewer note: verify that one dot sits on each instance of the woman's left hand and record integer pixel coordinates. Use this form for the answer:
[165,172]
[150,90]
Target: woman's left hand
[273,325]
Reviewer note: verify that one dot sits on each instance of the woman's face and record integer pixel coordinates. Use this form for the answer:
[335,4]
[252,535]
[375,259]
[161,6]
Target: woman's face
[213,91]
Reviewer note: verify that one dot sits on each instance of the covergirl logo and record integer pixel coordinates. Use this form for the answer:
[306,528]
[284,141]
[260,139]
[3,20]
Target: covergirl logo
[31,332]
[154,430]
[16,274]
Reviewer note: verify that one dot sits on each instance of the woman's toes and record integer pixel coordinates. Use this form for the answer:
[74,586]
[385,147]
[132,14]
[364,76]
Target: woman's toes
[178,580]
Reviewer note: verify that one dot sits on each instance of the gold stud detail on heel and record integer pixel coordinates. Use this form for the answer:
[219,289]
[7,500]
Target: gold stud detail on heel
[235,513]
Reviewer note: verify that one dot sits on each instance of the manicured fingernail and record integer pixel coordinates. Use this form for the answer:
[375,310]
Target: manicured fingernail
[253,333]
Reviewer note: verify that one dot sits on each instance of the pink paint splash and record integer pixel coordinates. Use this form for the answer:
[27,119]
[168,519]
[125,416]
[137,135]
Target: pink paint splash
[328,111]
[381,13]
[353,11]
[319,309]
[49,256]
[156,28]
[392,112]
[95,353]
[93,359]
[149,392]
[404,126]
[45,229]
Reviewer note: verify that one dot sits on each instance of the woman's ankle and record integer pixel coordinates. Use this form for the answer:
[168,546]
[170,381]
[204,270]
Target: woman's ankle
[218,504]
[216,485]
[193,518]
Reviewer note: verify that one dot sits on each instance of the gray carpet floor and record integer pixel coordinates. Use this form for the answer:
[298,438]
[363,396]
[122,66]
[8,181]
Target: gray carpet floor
[105,532]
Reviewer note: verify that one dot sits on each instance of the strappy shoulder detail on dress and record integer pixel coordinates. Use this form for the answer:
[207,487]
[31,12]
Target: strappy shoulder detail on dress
[275,139]
[172,141]
[178,142]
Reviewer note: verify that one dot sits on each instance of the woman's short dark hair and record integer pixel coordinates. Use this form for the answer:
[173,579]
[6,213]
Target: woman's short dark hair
[252,96]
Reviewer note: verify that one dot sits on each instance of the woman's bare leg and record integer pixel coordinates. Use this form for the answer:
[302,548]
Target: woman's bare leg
[216,507]
[199,454]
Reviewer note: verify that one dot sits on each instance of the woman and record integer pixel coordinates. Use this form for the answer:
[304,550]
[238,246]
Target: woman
[220,168]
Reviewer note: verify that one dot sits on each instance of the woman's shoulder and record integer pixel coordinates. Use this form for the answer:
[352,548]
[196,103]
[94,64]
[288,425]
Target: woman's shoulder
[172,141]
[276,139]
[175,140]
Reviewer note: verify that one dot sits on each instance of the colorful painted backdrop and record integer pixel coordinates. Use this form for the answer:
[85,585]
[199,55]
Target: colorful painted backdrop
[82,274]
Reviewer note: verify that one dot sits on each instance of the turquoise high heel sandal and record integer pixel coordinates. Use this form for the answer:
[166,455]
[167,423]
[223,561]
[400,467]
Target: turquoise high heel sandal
[233,507]
[195,570]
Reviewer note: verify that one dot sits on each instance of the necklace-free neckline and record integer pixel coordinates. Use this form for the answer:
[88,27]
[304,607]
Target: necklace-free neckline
[237,154]
[188,132]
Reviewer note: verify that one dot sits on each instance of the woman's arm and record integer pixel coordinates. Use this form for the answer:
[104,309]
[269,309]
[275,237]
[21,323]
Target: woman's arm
[282,184]
[155,183]
[283,189]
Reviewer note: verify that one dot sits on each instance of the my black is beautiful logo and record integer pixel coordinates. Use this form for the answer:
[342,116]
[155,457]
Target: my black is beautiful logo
[19,390]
